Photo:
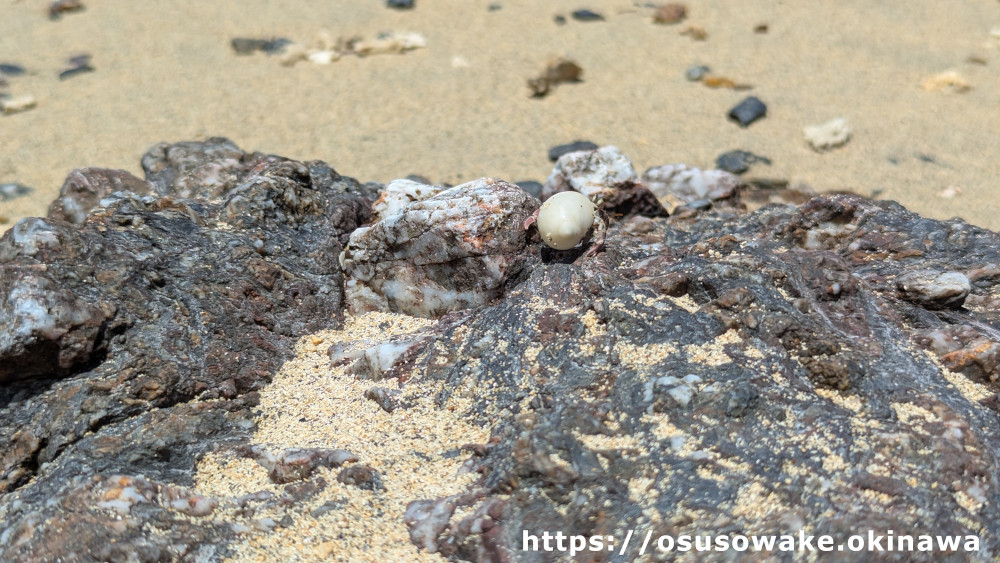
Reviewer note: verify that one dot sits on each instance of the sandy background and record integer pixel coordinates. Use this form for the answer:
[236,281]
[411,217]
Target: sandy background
[166,72]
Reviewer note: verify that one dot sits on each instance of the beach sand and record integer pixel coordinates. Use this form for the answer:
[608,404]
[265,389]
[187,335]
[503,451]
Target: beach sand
[460,108]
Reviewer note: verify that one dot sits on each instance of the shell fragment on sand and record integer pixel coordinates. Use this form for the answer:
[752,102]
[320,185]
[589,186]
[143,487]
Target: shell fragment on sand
[18,104]
[829,135]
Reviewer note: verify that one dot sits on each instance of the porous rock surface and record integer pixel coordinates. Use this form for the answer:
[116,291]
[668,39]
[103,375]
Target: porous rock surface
[715,372]
[110,329]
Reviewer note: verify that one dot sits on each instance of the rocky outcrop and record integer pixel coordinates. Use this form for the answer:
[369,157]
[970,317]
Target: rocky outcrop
[828,368]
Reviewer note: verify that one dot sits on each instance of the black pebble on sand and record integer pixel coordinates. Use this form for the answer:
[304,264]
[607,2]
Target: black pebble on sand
[559,150]
[532,187]
[587,16]
[400,4]
[12,191]
[738,162]
[748,111]
[11,69]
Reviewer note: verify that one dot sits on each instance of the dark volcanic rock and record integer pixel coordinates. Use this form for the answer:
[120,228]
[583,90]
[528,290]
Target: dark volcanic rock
[559,150]
[784,391]
[148,303]
[829,368]
[749,110]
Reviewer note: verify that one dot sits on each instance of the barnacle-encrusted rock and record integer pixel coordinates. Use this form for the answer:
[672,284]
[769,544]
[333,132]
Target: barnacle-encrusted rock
[606,176]
[453,251]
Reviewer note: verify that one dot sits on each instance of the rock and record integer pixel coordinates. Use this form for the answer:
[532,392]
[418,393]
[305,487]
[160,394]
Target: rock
[604,175]
[452,251]
[559,150]
[153,301]
[557,71]
[532,187]
[670,13]
[559,19]
[829,135]
[361,476]
[84,188]
[782,368]
[749,110]
[60,7]
[594,173]
[934,289]
[738,162]
[13,190]
[400,4]
[75,71]
[586,16]
[696,73]
[679,184]
[248,45]
[400,193]
[11,69]
[17,104]
[296,464]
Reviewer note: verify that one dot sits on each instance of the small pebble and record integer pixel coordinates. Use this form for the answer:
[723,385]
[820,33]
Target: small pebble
[559,150]
[670,13]
[400,4]
[11,69]
[559,19]
[950,192]
[696,73]
[71,72]
[695,32]
[80,60]
[532,187]
[17,104]
[494,7]
[247,45]
[587,16]
[556,71]
[738,162]
[12,190]
[60,7]
[761,28]
[934,290]
[829,135]
[713,81]
[749,110]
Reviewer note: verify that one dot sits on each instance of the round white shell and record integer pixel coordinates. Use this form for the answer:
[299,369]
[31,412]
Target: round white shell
[564,219]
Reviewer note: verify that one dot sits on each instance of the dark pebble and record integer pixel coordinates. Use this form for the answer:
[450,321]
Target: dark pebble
[12,191]
[748,111]
[246,45]
[400,4]
[275,45]
[419,179]
[532,187]
[559,19]
[495,7]
[80,60]
[11,69]
[361,476]
[71,72]
[587,16]
[557,151]
[696,73]
[327,506]
[738,162]
[60,7]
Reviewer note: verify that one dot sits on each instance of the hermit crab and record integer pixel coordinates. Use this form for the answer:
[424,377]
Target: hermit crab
[568,218]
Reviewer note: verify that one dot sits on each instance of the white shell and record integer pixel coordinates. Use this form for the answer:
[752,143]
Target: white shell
[564,219]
